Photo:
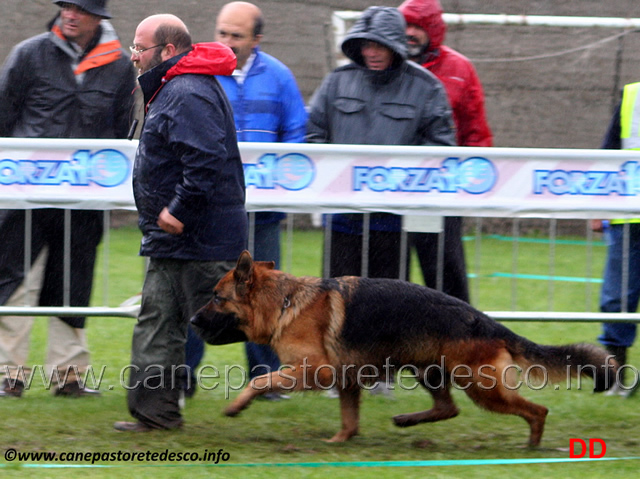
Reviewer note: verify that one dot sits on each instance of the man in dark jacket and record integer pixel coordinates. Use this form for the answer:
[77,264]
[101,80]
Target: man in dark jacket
[425,33]
[188,184]
[379,99]
[74,81]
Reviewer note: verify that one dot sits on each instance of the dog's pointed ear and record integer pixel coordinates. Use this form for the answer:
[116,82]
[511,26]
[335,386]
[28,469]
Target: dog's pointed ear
[243,274]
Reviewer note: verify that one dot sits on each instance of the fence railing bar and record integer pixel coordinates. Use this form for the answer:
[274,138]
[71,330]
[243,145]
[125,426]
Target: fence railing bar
[555,316]
[553,231]
[123,311]
[289,243]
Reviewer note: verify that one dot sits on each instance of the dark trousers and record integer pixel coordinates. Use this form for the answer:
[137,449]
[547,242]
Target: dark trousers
[454,272]
[173,291]
[383,255]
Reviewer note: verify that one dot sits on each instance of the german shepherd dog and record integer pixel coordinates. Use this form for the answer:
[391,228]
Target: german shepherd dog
[342,331]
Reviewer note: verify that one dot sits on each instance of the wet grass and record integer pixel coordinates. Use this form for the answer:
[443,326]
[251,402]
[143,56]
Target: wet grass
[269,439]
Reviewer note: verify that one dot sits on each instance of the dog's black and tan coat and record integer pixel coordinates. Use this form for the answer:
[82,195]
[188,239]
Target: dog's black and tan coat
[340,331]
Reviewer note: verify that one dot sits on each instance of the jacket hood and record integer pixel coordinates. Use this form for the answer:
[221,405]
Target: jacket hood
[427,14]
[384,25]
[211,58]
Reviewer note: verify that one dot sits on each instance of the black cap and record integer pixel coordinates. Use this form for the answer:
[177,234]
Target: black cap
[95,7]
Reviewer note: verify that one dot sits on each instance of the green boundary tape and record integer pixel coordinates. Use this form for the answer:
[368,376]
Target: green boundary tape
[538,277]
[535,240]
[541,277]
[433,463]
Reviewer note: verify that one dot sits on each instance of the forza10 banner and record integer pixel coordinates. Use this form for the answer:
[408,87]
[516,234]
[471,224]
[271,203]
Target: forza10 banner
[311,178]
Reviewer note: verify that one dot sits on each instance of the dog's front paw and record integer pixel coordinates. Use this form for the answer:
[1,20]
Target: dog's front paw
[232,411]
[404,420]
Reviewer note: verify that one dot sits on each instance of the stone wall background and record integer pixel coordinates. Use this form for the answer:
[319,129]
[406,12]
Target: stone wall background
[553,102]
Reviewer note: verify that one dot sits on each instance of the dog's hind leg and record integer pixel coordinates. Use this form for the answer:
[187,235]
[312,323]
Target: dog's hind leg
[510,402]
[443,405]
[502,397]
[350,412]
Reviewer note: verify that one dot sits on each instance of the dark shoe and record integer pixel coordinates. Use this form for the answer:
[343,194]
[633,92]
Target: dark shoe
[73,389]
[273,397]
[8,391]
[131,426]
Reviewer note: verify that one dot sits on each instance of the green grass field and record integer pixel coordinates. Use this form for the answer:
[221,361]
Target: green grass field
[269,439]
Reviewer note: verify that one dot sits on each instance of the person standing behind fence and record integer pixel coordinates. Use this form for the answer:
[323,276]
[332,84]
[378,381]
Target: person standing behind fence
[188,184]
[378,99]
[425,33]
[74,81]
[623,255]
[267,107]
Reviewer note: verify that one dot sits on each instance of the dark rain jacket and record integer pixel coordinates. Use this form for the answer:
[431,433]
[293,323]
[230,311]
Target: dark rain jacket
[48,90]
[403,105]
[188,159]
[454,70]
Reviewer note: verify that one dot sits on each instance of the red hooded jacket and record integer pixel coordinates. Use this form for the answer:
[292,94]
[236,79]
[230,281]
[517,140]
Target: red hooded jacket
[455,71]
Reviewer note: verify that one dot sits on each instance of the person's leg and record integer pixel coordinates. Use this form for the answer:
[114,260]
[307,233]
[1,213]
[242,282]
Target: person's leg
[172,293]
[67,349]
[618,337]
[346,252]
[384,255]
[194,352]
[158,343]
[260,357]
[15,332]
[618,334]
[454,274]
[68,354]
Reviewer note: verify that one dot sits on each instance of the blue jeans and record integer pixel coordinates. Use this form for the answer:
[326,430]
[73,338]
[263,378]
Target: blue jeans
[620,334]
[266,248]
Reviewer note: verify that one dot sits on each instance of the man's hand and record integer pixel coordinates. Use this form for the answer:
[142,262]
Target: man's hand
[170,223]
[596,225]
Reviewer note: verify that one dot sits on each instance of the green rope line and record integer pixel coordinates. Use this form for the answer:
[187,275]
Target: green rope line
[535,240]
[572,279]
[433,463]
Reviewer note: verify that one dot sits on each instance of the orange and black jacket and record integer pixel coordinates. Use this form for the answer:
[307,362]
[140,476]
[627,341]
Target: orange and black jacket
[49,90]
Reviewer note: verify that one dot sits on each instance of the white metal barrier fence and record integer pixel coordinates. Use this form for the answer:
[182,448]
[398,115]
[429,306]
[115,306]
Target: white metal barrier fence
[302,178]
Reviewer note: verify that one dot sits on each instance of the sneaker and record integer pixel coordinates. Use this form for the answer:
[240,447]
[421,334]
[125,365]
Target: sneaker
[616,390]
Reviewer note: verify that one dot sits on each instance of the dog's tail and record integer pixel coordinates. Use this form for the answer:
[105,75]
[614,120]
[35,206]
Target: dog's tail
[558,363]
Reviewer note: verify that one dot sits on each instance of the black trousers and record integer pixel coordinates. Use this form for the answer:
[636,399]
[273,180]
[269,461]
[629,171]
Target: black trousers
[454,279]
[384,255]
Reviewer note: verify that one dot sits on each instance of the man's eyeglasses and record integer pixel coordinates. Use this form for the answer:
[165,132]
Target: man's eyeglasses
[139,51]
